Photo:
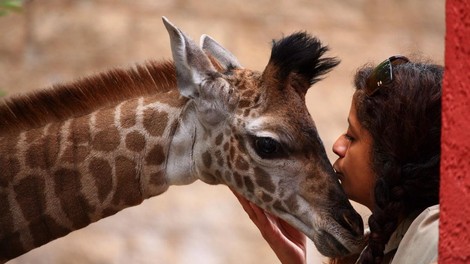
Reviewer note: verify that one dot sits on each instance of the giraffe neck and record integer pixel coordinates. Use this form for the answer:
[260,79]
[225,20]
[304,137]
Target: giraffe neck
[66,175]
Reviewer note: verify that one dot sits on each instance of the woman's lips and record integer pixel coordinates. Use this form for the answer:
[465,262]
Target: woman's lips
[340,177]
[338,174]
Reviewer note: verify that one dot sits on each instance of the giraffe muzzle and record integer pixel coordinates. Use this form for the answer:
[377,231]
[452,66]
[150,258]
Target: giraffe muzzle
[352,222]
[349,240]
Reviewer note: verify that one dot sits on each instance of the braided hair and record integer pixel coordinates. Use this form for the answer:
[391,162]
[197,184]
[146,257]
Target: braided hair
[404,120]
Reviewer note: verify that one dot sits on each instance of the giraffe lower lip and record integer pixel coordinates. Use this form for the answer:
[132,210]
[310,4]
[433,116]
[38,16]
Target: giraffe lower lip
[294,221]
[336,248]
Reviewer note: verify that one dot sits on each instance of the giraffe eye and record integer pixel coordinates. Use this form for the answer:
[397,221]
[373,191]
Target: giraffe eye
[267,147]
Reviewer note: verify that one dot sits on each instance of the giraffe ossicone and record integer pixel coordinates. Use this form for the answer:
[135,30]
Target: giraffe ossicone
[76,153]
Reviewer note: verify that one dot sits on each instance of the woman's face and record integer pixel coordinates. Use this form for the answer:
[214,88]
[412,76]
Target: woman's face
[353,165]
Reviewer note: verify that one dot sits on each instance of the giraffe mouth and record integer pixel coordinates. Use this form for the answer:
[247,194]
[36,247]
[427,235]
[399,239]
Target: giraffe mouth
[330,246]
[326,241]
[293,220]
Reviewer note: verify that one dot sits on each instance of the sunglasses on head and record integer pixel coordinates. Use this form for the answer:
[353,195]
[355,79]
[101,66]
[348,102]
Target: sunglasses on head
[383,73]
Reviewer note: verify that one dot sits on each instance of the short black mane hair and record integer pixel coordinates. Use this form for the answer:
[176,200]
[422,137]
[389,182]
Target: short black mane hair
[301,53]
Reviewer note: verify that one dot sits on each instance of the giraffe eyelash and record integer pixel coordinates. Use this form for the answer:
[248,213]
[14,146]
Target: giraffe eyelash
[267,147]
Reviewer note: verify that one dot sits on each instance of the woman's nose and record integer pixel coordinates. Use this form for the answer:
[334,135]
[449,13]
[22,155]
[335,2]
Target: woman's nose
[340,146]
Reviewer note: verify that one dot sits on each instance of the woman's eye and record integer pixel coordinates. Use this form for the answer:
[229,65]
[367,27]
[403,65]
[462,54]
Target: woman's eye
[349,137]
[267,147]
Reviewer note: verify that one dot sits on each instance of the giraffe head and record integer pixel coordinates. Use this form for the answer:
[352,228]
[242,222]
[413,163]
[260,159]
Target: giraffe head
[255,134]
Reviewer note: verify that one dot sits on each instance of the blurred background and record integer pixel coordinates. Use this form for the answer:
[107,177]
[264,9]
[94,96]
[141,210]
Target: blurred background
[50,41]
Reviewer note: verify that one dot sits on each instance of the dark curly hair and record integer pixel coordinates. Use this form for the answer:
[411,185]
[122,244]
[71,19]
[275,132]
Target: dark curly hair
[404,120]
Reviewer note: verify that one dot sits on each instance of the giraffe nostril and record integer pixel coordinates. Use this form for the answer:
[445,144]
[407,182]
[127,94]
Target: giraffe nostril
[346,219]
[352,221]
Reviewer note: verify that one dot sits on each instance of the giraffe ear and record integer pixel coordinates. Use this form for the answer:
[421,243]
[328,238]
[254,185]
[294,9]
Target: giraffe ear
[225,58]
[192,64]
[197,78]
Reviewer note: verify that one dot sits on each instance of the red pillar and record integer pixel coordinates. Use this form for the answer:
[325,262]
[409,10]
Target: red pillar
[454,230]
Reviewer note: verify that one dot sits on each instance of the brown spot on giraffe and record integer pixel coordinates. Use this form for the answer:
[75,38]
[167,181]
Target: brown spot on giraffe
[219,157]
[246,112]
[156,155]
[231,154]
[11,246]
[33,135]
[44,152]
[241,144]
[6,218]
[244,104]
[104,118]
[229,163]
[266,198]
[238,179]
[263,180]
[44,228]
[278,205]
[75,154]
[107,140]
[241,163]
[67,187]
[207,159]
[218,174]
[158,179]
[102,173]
[228,176]
[155,122]
[79,131]
[128,116]
[34,157]
[30,196]
[135,141]
[13,166]
[209,178]
[128,188]
[250,187]
[219,139]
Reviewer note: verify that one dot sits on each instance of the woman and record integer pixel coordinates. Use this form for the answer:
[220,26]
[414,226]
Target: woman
[388,160]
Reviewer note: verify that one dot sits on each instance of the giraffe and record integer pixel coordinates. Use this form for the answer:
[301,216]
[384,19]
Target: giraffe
[79,152]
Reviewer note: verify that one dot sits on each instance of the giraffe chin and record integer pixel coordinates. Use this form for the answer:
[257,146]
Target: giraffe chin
[330,246]
[337,242]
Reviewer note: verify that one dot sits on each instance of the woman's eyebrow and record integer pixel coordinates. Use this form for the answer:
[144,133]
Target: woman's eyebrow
[352,127]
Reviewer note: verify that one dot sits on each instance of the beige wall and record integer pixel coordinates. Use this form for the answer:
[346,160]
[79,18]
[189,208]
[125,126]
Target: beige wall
[59,40]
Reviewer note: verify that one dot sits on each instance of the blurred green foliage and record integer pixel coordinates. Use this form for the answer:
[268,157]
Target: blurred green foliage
[7,6]
[2,93]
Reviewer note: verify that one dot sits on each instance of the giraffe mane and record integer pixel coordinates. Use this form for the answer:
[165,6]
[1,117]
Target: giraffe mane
[64,101]
[301,54]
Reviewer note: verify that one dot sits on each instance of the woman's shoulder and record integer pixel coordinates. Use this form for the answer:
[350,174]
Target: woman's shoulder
[419,243]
